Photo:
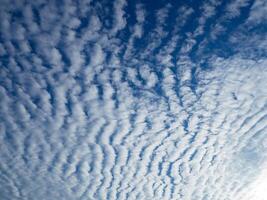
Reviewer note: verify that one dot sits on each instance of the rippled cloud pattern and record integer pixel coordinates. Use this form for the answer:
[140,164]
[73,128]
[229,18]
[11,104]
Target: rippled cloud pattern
[125,99]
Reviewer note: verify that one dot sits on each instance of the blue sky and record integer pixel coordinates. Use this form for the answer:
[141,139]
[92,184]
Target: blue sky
[133,100]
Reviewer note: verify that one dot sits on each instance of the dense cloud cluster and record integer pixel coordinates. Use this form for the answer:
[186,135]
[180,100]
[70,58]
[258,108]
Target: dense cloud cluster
[125,100]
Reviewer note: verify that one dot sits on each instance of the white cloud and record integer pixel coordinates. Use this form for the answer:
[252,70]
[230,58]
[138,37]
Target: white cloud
[89,115]
[119,16]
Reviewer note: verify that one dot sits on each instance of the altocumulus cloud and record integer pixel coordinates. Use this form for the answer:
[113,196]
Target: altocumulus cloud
[133,100]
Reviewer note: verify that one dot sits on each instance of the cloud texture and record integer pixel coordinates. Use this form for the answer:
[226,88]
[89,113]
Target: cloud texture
[125,100]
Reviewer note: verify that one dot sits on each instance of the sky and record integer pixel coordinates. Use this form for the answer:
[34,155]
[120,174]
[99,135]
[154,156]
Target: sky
[131,99]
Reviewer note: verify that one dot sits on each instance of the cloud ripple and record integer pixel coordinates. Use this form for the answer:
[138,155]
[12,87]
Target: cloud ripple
[110,100]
